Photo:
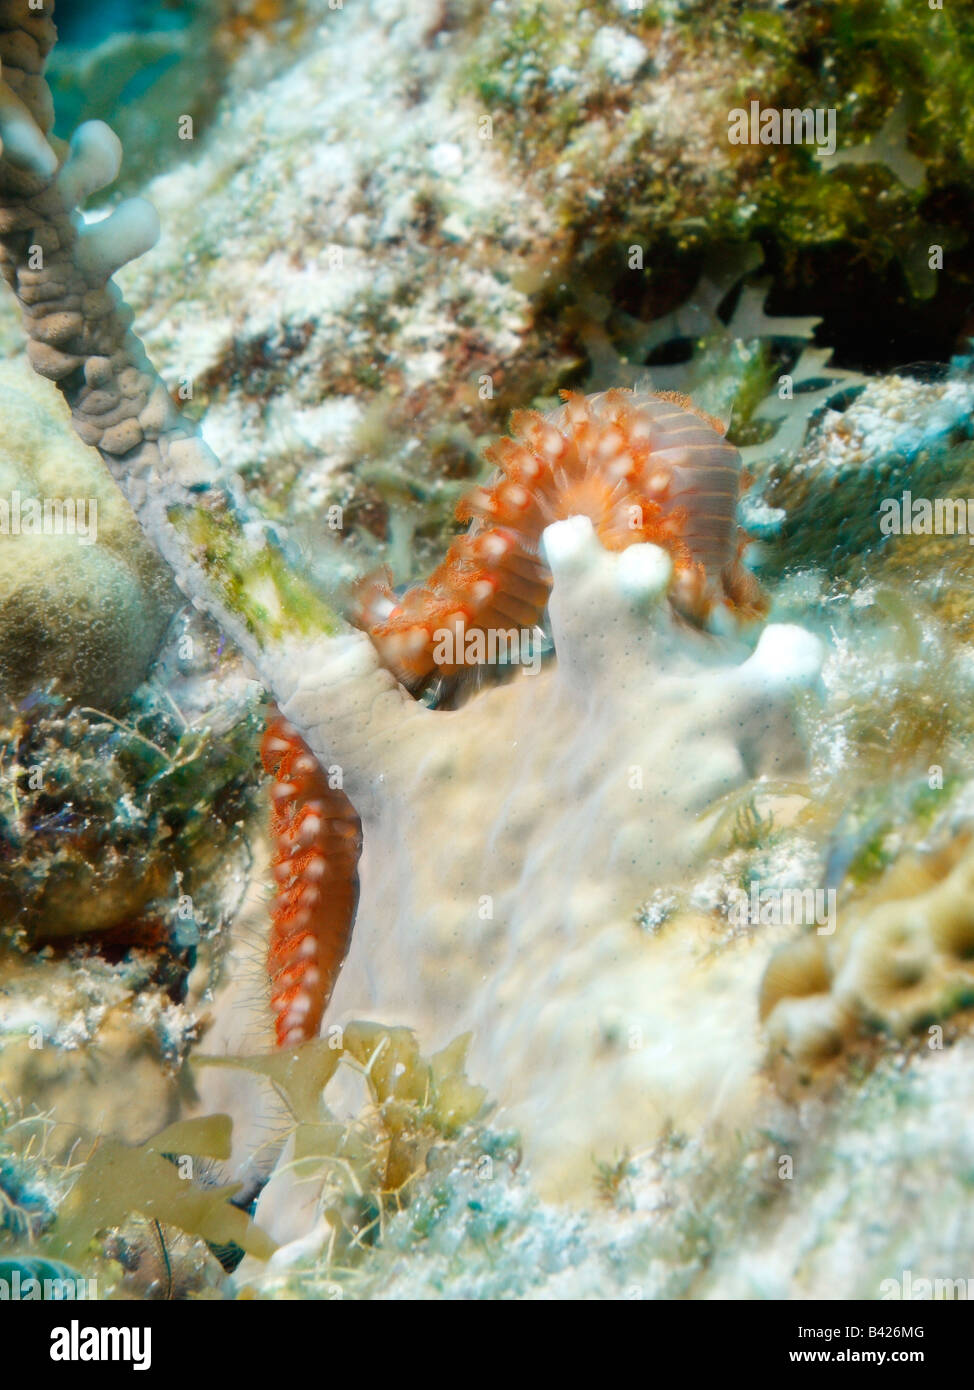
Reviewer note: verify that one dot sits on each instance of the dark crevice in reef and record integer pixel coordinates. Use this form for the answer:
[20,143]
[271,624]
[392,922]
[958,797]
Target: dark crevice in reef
[870,319]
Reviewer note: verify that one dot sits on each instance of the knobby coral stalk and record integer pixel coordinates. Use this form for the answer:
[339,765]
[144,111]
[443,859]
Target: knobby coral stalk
[79,336]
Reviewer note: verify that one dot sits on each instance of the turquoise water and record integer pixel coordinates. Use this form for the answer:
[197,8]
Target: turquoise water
[83,22]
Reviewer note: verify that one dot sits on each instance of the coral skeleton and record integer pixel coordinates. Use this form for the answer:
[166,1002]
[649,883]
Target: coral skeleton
[902,963]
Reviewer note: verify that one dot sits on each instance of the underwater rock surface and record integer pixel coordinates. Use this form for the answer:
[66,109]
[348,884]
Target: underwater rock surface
[352,305]
[84,601]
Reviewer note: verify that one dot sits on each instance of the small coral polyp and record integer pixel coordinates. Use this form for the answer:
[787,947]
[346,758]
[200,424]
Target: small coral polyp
[643,467]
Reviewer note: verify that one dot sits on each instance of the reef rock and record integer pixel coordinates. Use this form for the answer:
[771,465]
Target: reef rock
[84,600]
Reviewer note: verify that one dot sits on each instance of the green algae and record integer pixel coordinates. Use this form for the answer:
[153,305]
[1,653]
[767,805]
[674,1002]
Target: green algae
[136,1220]
[616,185]
[118,1179]
[366,1169]
[256,585]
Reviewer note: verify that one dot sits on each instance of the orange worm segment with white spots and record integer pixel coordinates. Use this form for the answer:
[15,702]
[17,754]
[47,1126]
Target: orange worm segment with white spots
[317,843]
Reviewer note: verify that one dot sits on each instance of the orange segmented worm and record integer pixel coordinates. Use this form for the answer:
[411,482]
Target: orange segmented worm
[643,467]
[318,841]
